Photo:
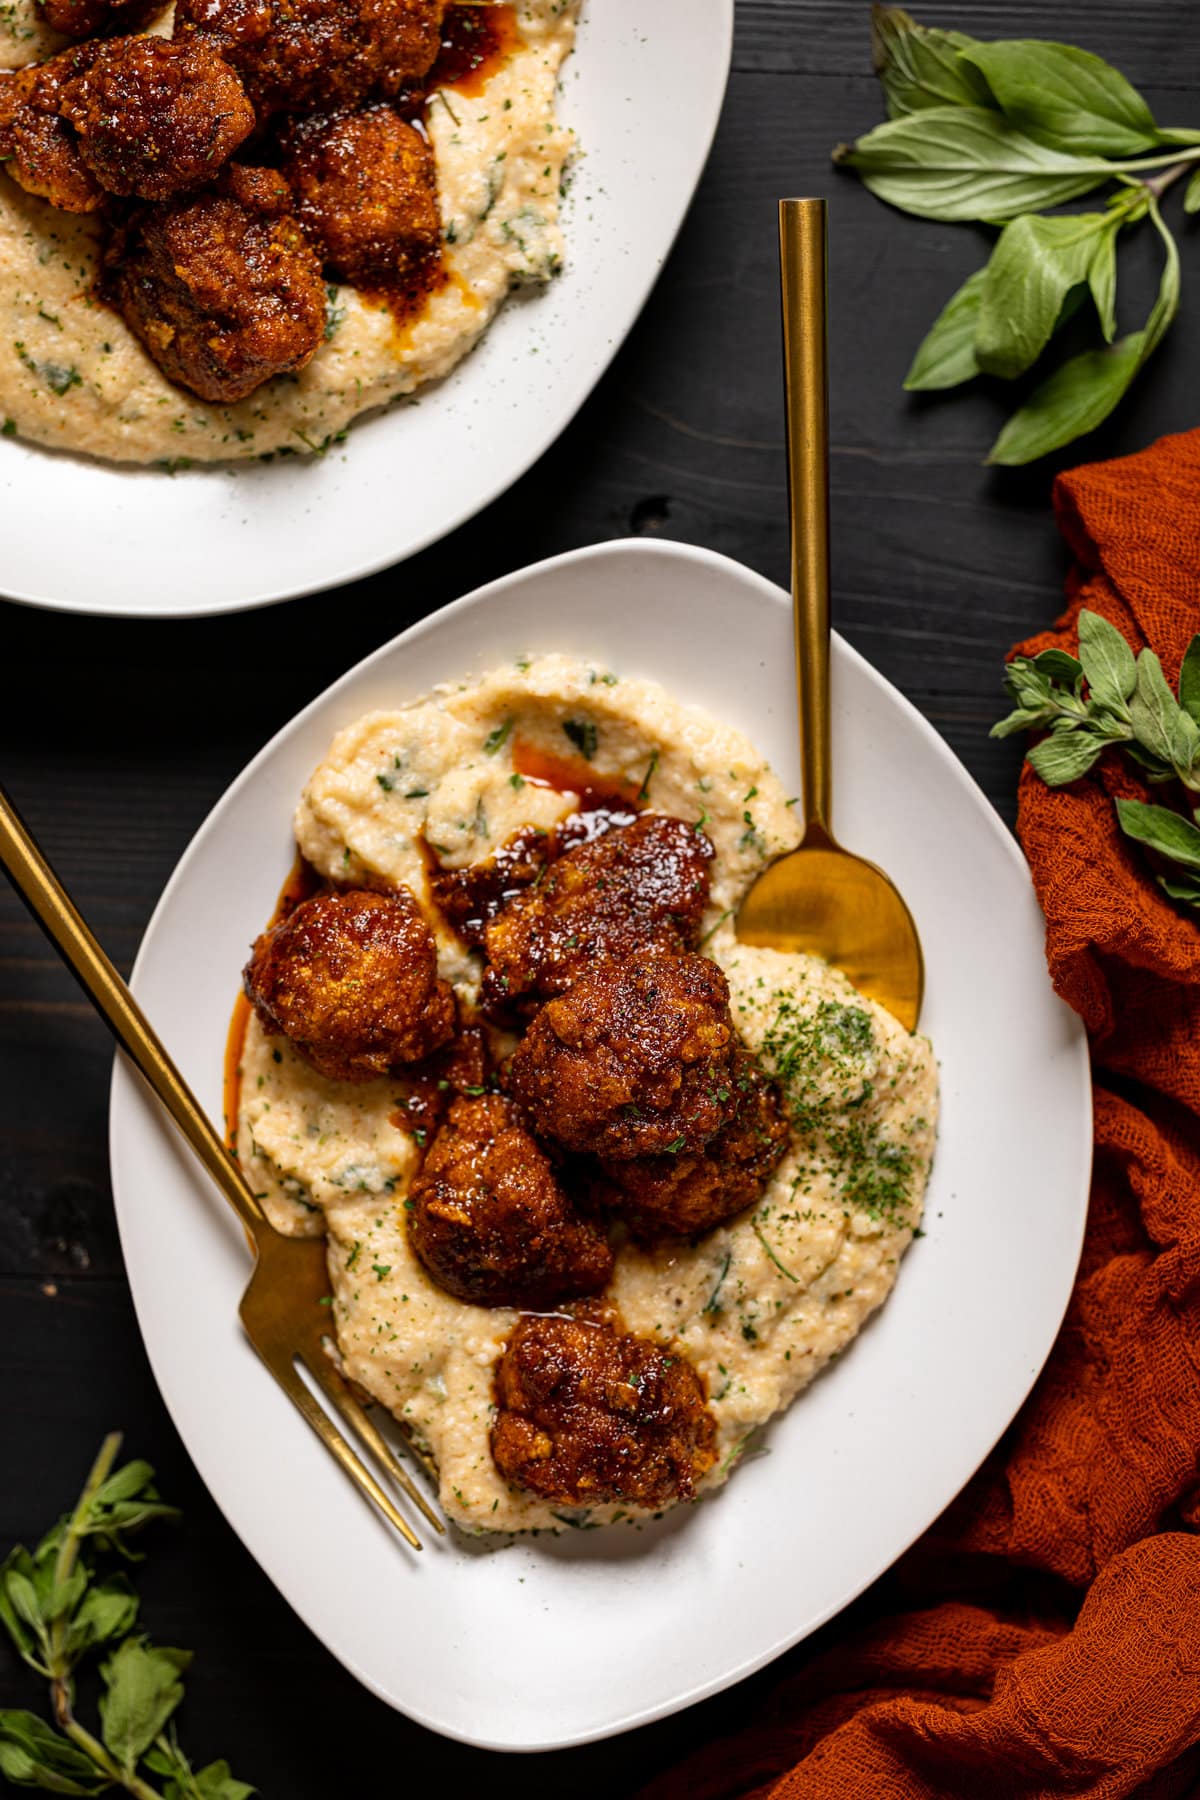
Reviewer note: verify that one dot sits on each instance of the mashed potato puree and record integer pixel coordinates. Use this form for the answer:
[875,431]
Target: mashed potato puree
[72,375]
[760,1304]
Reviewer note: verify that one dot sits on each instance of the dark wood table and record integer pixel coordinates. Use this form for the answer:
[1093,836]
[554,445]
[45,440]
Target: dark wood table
[117,738]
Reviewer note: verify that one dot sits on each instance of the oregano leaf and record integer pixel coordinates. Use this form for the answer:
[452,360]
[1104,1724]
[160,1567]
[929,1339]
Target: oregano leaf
[1064,756]
[1108,662]
[1162,830]
[1189,679]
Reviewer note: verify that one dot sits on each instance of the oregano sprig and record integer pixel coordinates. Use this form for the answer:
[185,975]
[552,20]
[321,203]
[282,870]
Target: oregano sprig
[60,1605]
[999,132]
[1107,697]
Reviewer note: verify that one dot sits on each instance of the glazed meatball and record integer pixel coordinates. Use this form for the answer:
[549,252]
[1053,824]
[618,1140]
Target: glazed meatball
[633,1060]
[489,1220]
[155,118]
[685,1195]
[351,979]
[296,55]
[589,1414]
[428,1089]
[258,189]
[366,193]
[37,146]
[96,18]
[644,884]
[222,298]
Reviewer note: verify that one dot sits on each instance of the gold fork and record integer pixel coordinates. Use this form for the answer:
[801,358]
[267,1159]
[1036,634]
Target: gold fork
[281,1309]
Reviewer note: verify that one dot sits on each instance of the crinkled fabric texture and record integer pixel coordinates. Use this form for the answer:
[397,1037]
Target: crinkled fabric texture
[1075,1669]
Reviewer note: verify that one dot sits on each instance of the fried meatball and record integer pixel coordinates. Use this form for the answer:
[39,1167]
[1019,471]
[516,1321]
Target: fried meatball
[37,146]
[429,1088]
[366,193]
[222,298]
[685,1195]
[96,18]
[633,1060]
[258,189]
[296,55]
[589,1414]
[489,1220]
[351,979]
[644,884]
[156,118]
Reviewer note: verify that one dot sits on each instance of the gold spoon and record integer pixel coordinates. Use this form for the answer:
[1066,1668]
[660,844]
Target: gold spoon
[820,898]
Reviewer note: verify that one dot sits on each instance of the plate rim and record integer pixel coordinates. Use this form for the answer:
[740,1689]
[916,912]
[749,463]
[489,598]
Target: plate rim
[123,1077]
[723,30]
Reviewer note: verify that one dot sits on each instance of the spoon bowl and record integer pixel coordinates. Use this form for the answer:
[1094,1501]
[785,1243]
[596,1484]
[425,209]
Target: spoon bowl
[821,899]
[826,902]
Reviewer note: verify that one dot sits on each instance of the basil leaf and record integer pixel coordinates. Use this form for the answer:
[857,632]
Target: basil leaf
[1102,281]
[1081,393]
[1191,194]
[961,162]
[1074,400]
[1160,829]
[1065,756]
[919,67]
[1036,263]
[946,356]
[1108,662]
[33,1754]
[1189,679]
[1066,97]
[143,1691]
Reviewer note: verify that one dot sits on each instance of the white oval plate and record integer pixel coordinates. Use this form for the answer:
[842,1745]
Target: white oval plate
[642,90]
[556,1641]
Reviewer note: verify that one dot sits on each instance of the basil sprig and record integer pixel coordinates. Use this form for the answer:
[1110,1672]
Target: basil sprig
[1128,703]
[999,132]
[60,1605]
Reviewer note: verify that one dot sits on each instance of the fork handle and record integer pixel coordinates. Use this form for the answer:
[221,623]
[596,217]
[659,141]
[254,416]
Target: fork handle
[63,924]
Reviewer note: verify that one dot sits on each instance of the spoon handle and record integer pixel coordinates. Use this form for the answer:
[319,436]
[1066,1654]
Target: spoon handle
[64,925]
[802,239]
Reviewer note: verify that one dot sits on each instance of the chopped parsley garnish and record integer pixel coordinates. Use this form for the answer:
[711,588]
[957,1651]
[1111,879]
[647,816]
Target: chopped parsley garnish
[584,735]
[497,737]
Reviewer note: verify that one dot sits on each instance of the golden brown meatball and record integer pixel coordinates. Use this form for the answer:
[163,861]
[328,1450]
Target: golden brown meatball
[428,1089]
[366,193]
[633,1060]
[222,298]
[643,884]
[489,1220]
[351,979]
[96,18]
[258,189]
[588,1414]
[296,55]
[155,118]
[37,146]
[685,1195]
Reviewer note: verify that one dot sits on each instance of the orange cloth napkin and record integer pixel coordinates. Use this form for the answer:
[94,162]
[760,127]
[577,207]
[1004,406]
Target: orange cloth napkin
[1043,1639]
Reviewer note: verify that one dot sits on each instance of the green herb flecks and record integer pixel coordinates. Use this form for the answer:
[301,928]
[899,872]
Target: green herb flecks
[823,1059]
[584,735]
[1128,704]
[998,132]
[498,736]
[61,1605]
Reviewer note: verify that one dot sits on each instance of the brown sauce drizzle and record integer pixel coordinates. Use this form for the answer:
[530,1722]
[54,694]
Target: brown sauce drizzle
[475,41]
[302,883]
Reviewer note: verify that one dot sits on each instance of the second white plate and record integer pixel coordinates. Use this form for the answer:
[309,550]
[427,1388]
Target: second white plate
[555,1641]
[642,91]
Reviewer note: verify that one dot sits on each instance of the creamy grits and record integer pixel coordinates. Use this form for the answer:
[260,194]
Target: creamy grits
[73,376]
[761,1303]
